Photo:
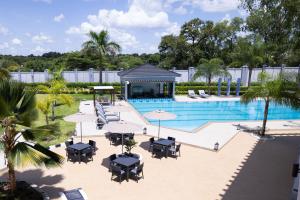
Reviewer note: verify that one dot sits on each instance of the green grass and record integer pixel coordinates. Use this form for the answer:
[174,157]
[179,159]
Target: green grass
[66,128]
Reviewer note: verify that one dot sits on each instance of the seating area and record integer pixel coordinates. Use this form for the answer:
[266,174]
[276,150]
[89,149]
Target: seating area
[103,116]
[116,138]
[125,166]
[164,147]
[80,151]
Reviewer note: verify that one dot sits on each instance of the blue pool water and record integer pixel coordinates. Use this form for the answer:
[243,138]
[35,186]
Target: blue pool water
[191,115]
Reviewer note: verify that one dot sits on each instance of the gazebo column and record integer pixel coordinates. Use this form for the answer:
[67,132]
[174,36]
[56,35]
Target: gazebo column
[173,90]
[126,90]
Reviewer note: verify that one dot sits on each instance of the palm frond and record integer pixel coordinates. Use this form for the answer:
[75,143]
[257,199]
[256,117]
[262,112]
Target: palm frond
[41,131]
[24,154]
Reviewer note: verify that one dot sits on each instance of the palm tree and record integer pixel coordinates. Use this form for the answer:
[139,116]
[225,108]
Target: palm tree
[210,69]
[45,107]
[98,47]
[18,111]
[248,53]
[4,73]
[283,91]
[54,92]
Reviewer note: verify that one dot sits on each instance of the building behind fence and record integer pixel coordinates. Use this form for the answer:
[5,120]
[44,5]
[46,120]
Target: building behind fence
[111,76]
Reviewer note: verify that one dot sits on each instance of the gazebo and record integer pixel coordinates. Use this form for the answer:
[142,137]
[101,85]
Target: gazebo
[111,90]
[147,81]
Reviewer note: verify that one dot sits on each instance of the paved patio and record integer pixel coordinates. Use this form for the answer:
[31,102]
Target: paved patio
[244,169]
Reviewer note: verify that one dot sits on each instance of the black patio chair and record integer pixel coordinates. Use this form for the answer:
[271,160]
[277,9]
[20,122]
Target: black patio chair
[175,150]
[171,138]
[158,150]
[117,171]
[111,159]
[87,154]
[114,138]
[151,140]
[137,171]
[93,145]
[72,155]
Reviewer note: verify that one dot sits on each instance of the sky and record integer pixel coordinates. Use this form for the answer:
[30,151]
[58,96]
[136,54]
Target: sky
[39,26]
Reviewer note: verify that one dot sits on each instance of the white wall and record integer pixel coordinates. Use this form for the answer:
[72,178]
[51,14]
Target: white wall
[111,76]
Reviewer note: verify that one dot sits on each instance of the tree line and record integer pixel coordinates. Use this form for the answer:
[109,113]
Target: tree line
[269,36]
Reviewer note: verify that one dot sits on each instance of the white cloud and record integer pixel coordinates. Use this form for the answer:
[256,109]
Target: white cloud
[59,18]
[44,1]
[16,41]
[4,45]
[3,30]
[42,38]
[226,17]
[180,10]
[39,50]
[28,34]
[213,5]
[174,29]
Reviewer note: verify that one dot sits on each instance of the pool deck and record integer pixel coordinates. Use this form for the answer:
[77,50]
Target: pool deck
[203,137]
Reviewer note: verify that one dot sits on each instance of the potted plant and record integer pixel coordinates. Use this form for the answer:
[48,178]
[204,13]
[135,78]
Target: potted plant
[129,146]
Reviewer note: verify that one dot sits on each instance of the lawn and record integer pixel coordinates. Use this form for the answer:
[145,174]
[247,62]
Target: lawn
[66,128]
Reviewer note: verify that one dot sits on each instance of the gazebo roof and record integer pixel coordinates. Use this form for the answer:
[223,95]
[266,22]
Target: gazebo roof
[147,70]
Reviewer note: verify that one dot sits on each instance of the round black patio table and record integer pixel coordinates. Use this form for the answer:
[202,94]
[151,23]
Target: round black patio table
[79,147]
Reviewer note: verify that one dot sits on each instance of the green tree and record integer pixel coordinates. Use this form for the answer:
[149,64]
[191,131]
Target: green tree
[99,46]
[209,69]
[4,73]
[44,106]
[18,111]
[54,90]
[276,22]
[283,91]
[248,53]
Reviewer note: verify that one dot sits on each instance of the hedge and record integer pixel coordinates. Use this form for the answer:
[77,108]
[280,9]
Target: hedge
[181,88]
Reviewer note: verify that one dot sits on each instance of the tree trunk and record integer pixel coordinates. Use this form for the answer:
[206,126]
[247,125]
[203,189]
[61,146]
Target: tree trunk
[100,75]
[249,77]
[209,82]
[11,176]
[53,114]
[263,130]
[47,119]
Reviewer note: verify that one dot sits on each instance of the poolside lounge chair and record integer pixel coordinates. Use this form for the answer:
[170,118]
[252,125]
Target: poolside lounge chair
[137,171]
[191,93]
[77,194]
[203,94]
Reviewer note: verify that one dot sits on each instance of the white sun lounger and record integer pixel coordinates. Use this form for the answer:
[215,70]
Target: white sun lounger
[203,94]
[191,93]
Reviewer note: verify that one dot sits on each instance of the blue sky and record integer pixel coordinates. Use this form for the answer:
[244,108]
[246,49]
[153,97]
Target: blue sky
[38,26]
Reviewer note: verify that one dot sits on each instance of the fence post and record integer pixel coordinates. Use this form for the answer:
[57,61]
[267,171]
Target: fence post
[19,76]
[219,86]
[238,85]
[298,76]
[76,75]
[106,75]
[91,75]
[191,72]
[228,87]
[282,68]
[32,75]
[46,74]
[244,75]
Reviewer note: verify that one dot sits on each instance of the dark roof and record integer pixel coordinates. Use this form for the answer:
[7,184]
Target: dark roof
[148,70]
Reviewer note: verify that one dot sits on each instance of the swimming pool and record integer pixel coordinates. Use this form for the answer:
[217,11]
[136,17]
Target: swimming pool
[191,115]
